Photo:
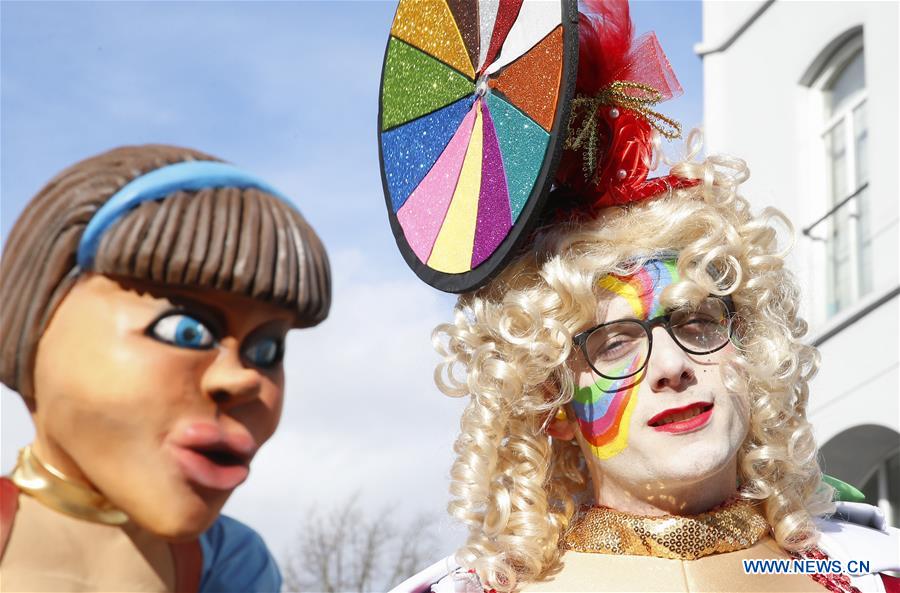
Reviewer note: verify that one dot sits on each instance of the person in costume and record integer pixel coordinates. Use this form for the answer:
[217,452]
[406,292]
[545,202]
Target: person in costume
[147,292]
[646,367]
[636,377]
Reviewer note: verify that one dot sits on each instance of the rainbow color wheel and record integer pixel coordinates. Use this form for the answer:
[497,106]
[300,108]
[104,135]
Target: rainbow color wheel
[474,105]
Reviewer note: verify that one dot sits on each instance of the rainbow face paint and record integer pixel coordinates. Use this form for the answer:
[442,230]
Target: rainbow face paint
[603,410]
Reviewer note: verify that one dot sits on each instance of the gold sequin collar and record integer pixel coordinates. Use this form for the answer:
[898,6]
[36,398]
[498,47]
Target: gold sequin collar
[733,526]
[53,489]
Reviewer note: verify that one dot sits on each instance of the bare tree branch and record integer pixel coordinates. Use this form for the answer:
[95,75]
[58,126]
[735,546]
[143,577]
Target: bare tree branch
[343,549]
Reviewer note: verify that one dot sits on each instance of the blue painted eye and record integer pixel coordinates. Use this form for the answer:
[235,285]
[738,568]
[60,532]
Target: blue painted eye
[264,353]
[184,331]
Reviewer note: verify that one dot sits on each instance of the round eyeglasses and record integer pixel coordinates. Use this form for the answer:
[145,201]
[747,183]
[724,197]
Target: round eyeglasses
[620,349]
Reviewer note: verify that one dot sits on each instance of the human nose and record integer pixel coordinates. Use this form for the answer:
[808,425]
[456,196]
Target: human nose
[669,366]
[227,381]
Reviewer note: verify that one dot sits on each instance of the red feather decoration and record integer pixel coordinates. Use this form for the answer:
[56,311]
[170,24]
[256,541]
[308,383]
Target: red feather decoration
[622,76]
[604,40]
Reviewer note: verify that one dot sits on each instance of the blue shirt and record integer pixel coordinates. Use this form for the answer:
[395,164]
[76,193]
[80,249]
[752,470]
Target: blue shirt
[235,559]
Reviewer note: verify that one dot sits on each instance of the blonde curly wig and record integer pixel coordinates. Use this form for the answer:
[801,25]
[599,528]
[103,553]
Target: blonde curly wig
[516,488]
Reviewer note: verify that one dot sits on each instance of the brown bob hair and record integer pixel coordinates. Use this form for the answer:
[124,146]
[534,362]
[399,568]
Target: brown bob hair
[243,241]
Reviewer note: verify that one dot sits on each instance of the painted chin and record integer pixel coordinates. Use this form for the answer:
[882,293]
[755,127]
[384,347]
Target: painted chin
[691,418]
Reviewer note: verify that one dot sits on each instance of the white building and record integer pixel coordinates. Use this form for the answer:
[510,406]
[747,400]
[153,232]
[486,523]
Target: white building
[807,93]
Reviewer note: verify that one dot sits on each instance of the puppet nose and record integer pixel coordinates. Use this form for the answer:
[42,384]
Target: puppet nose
[228,381]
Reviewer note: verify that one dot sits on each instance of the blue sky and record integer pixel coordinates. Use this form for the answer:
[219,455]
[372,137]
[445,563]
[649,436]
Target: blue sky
[288,91]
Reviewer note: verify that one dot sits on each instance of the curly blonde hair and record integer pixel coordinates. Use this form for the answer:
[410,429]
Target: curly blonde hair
[516,488]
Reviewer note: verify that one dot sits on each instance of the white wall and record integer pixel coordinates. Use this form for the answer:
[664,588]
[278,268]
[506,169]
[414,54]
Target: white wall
[756,108]
[857,382]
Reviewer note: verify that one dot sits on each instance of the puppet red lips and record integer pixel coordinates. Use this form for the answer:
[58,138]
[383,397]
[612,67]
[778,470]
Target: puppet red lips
[682,419]
[213,458]
[204,469]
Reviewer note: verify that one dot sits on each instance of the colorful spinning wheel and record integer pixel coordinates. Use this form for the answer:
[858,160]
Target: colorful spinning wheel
[474,107]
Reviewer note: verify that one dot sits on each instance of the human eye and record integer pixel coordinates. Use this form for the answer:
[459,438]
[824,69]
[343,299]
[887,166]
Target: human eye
[698,322]
[264,352]
[615,349]
[182,330]
[615,342]
[704,327]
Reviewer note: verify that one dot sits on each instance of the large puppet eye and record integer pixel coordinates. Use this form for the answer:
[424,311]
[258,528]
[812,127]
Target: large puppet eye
[183,331]
[264,352]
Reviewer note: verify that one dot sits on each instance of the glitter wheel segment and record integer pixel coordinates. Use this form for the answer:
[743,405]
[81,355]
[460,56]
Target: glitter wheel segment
[474,100]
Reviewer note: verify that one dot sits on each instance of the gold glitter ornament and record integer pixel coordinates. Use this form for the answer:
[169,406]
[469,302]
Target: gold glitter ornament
[734,526]
[636,96]
[429,25]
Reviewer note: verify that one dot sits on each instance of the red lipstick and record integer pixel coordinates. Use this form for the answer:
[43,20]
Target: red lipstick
[214,458]
[683,419]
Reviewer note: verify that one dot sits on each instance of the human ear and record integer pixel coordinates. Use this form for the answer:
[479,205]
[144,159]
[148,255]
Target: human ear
[560,427]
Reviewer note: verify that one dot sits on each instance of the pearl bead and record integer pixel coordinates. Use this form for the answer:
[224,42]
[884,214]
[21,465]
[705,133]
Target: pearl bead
[621,173]
[614,113]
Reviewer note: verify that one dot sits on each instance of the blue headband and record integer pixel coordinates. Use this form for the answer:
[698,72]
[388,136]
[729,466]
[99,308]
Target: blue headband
[157,184]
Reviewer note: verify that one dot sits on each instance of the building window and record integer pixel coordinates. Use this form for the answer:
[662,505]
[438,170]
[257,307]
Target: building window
[843,138]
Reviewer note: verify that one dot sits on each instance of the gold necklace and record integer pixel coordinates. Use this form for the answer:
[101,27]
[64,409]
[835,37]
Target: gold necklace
[733,526]
[52,488]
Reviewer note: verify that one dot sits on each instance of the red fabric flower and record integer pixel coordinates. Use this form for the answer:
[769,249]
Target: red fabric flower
[622,135]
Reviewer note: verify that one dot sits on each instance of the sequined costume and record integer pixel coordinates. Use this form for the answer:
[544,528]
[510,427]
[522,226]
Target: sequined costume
[611,551]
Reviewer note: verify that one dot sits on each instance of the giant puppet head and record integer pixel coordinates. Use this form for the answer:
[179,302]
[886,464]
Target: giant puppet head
[147,292]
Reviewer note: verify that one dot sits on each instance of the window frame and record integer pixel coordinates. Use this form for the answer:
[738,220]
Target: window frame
[821,231]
